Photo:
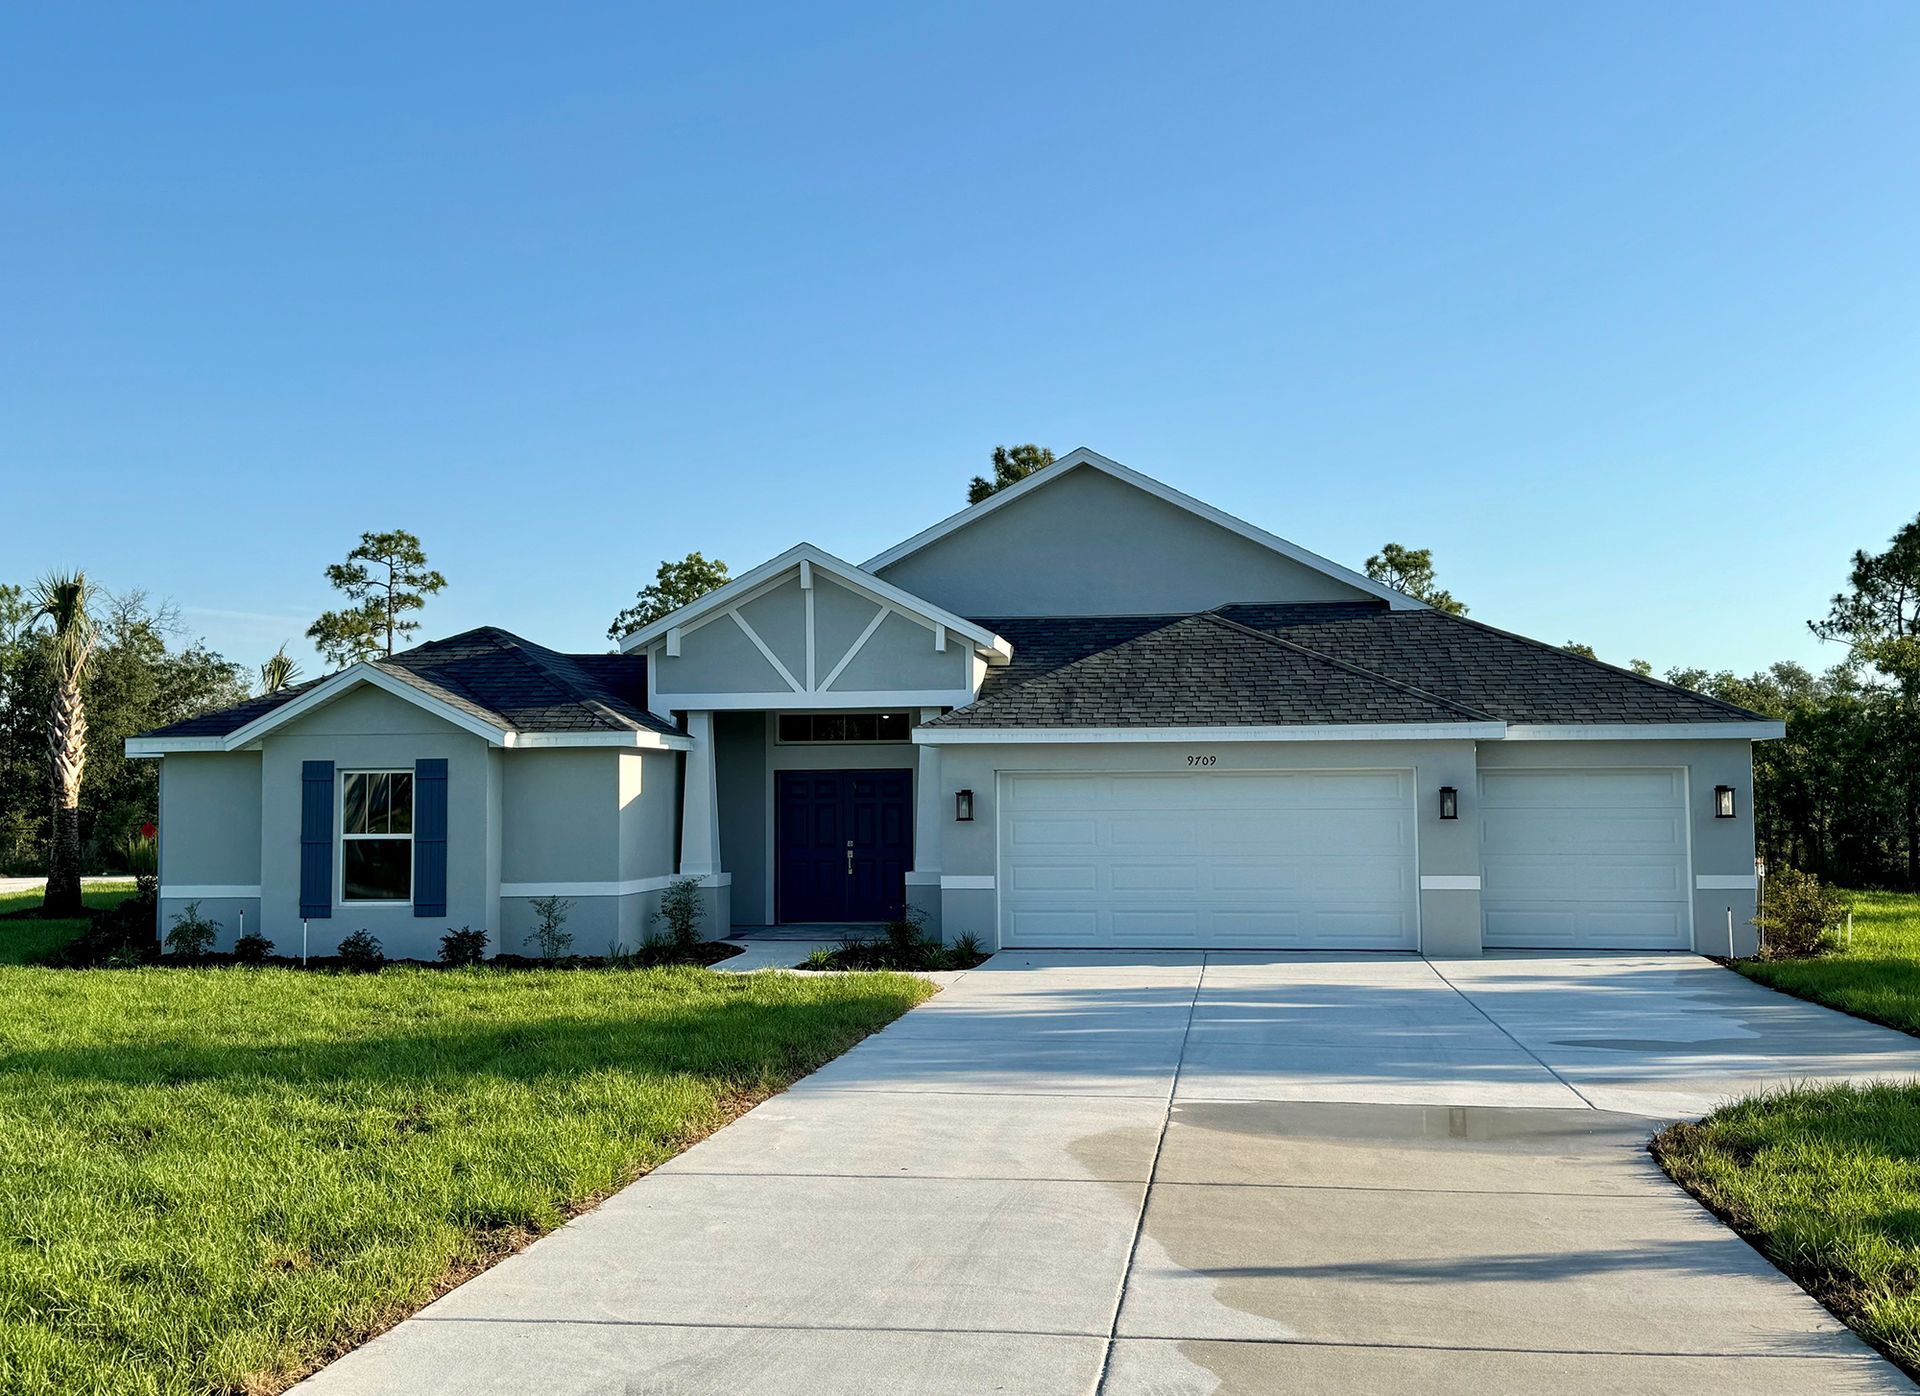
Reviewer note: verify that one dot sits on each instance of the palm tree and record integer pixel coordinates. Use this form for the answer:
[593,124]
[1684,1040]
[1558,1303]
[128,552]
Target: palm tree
[67,602]
[278,672]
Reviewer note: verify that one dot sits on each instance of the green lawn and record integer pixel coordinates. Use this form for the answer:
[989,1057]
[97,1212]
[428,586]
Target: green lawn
[1827,1180]
[214,1180]
[1879,978]
[24,941]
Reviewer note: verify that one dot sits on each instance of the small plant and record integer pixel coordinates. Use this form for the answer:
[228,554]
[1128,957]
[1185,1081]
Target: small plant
[465,946]
[1799,915]
[550,916]
[681,911]
[820,957]
[252,949]
[140,851]
[361,952]
[193,934]
[966,949]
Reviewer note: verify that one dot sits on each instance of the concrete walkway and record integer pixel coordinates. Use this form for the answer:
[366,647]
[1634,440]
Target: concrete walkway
[1163,1175]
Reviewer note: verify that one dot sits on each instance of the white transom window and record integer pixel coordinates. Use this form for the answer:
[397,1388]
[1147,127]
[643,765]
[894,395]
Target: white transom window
[376,836]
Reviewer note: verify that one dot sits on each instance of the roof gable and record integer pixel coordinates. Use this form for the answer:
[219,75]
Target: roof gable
[487,681]
[1316,578]
[804,559]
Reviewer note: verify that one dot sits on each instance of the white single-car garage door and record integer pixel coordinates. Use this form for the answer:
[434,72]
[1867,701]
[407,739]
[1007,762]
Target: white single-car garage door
[1302,860]
[1591,860]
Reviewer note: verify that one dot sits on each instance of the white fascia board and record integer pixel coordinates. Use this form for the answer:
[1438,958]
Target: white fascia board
[1760,731]
[1040,479]
[742,588]
[1331,732]
[834,699]
[152,747]
[345,682]
[643,741]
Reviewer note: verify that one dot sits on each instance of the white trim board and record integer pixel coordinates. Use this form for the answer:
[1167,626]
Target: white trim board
[1193,736]
[1083,457]
[1725,882]
[1760,731]
[968,882]
[196,891]
[632,887]
[833,700]
[1449,882]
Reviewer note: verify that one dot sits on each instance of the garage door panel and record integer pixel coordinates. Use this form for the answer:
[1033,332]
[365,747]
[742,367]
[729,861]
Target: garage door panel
[1585,859]
[1153,877]
[1034,927]
[1269,877]
[1219,858]
[1054,877]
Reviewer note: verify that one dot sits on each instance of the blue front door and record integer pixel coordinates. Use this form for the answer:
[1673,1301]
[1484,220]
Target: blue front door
[846,842]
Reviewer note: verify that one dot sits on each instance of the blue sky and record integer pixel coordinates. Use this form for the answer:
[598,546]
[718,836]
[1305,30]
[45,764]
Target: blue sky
[1618,311]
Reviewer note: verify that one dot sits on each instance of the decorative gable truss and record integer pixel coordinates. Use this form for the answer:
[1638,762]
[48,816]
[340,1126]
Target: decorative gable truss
[807,630]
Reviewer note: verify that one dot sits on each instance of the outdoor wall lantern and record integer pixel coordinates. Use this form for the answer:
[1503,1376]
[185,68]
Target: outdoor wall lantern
[1723,802]
[1449,802]
[963,806]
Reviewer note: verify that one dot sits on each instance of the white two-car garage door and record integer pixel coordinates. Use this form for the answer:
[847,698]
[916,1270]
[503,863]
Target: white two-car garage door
[1301,860]
[1585,859]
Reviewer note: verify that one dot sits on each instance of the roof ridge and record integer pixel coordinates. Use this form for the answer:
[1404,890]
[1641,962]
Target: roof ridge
[1598,663]
[580,682]
[1352,668]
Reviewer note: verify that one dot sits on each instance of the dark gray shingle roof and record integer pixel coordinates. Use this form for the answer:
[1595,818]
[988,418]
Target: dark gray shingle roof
[1516,679]
[1205,671]
[497,677]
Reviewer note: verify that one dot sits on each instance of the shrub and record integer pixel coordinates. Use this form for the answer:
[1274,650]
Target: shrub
[361,952]
[681,911]
[820,957]
[193,934]
[465,946]
[551,915]
[966,948]
[252,949]
[1798,915]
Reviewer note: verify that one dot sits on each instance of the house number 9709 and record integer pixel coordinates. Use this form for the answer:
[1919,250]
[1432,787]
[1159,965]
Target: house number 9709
[1201,760]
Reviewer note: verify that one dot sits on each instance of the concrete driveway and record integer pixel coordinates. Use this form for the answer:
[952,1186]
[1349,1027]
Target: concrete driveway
[1156,1175]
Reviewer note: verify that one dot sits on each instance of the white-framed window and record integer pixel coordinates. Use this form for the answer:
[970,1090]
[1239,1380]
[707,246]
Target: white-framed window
[376,836]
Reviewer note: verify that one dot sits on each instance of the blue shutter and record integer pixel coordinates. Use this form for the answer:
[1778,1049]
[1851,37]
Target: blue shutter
[430,837]
[316,839]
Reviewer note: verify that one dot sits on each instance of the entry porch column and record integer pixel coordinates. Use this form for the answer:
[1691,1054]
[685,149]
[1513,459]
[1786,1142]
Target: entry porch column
[923,883]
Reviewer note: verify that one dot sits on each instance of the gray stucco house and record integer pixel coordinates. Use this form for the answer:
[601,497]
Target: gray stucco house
[1090,711]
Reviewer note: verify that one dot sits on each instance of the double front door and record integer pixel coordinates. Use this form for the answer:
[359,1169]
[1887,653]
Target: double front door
[846,842]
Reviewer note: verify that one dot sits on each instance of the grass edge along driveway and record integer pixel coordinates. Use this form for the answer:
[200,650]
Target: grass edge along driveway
[1822,1179]
[217,1180]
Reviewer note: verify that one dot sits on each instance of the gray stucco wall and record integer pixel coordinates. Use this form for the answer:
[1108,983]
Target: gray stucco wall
[372,730]
[210,839]
[587,821]
[716,658]
[1722,848]
[900,655]
[1449,919]
[1088,544]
